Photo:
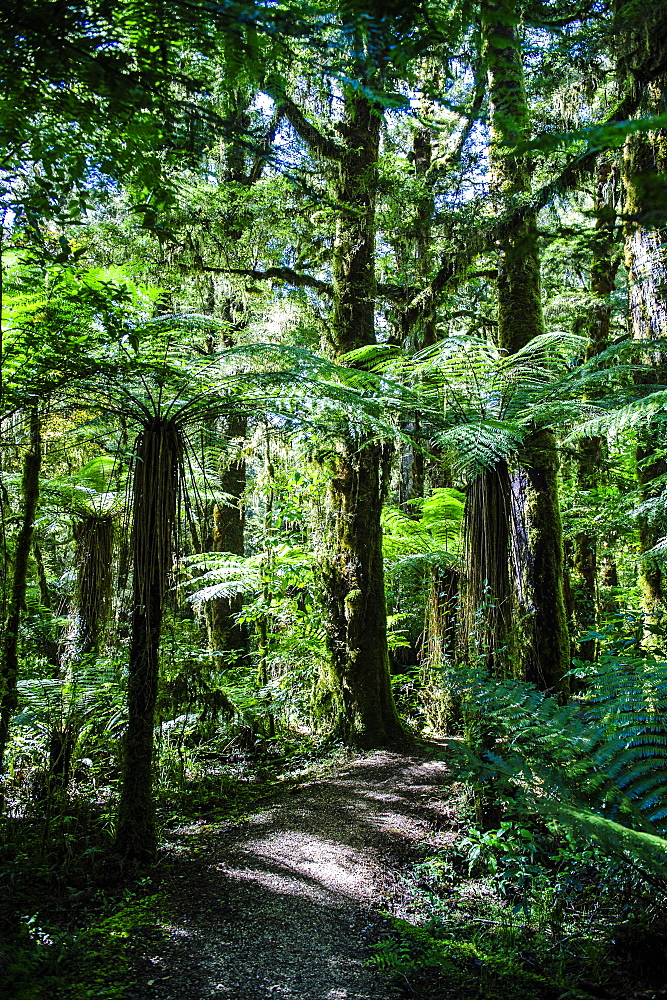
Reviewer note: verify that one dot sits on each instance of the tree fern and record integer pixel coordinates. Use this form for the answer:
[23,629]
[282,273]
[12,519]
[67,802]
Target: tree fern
[480,405]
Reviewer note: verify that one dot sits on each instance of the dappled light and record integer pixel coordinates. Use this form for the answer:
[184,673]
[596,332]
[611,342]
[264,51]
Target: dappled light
[333,494]
[305,881]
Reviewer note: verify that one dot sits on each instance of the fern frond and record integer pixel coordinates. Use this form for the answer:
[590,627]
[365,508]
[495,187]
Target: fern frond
[602,762]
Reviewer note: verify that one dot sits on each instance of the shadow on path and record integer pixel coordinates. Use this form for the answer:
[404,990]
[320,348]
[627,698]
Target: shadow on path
[286,906]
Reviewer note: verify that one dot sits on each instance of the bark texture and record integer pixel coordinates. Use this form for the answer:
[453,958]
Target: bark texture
[157,470]
[352,569]
[536,535]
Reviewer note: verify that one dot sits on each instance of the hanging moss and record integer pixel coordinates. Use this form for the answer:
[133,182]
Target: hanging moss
[541,653]
[643,158]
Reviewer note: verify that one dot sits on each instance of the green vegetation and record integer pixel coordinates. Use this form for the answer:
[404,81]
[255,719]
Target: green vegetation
[333,411]
[527,912]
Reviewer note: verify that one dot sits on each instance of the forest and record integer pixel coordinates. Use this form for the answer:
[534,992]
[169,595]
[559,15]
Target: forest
[333,483]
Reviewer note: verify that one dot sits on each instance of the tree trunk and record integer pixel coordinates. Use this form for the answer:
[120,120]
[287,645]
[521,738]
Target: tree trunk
[353,579]
[50,647]
[423,155]
[9,665]
[590,449]
[608,582]
[267,570]
[542,641]
[413,466]
[487,605]
[542,655]
[157,470]
[442,704]
[352,569]
[644,159]
[228,639]
[94,559]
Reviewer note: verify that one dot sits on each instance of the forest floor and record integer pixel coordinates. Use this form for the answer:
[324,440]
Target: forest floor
[286,903]
[311,877]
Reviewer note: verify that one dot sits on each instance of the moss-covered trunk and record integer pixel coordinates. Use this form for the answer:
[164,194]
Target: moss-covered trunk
[50,645]
[422,150]
[542,654]
[590,451]
[645,158]
[228,639]
[9,664]
[353,578]
[224,523]
[157,469]
[352,569]
[413,466]
[542,643]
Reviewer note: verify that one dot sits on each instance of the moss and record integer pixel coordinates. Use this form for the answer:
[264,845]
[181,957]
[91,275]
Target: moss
[546,656]
[352,575]
[351,569]
[509,110]
[647,274]
[228,535]
[536,544]
[47,963]
[476,967]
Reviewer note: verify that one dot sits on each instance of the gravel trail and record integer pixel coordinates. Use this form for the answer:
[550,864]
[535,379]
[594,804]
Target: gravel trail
[287,905]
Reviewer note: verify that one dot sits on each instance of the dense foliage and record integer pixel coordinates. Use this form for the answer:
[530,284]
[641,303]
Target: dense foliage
[333,404]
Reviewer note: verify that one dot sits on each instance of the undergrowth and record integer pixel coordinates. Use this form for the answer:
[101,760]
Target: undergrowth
[567,897]
[527,912]
[75,923]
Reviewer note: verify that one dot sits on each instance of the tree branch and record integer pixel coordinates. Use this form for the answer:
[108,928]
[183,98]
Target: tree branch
[470,119]
[264,153]
[394,293]
[453,270]
[285,274]
[538,17]
[316,140]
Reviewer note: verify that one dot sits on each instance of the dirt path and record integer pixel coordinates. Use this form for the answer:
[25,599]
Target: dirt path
[286,906]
